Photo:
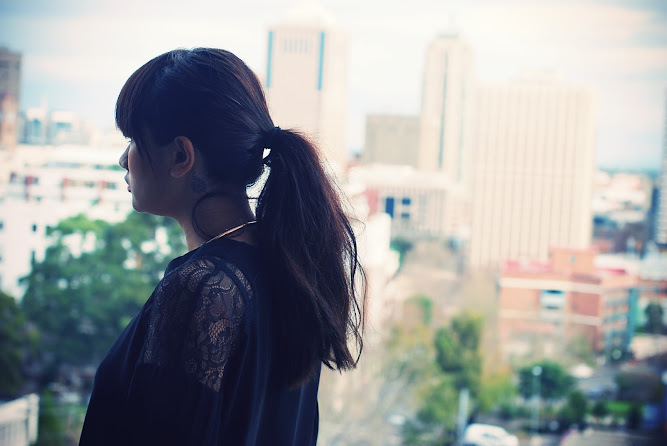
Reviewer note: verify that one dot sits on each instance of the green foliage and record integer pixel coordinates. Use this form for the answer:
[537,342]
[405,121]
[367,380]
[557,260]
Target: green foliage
[402,246]
[12,340]
[93,279]
[600,409]
[435,418]
[458,351]
[51,426]
[574,410]
[496,389]
[555,382]
[426,305]
[654,318]
[454,363]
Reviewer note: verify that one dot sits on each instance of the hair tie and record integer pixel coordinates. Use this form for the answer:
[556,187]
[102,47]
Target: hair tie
[269,139]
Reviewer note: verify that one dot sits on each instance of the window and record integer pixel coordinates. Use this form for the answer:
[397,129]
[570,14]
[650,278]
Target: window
[389,206]
[2,225]
[552,299]
[34,227]
[406,201]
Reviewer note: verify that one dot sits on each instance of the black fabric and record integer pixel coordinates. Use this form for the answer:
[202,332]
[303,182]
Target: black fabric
[194,367]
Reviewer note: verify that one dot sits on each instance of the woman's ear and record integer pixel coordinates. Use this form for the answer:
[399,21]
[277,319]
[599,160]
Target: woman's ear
[183,157]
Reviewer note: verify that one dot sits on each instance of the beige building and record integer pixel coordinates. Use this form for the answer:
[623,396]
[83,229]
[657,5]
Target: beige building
[533,170]
[661,214]
[420,204]
[9,111]
[306,78]
[392,139]
[447,107]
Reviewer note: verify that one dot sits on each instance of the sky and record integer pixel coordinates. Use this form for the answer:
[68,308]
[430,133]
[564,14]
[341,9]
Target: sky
[78,53]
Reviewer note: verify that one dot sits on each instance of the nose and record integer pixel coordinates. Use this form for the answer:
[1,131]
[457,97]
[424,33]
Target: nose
[123,159]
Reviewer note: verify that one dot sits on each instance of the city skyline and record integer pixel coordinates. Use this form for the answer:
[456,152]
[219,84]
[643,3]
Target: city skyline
[78,54]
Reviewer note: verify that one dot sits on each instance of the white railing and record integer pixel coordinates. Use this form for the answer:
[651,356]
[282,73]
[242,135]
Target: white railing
[18,421]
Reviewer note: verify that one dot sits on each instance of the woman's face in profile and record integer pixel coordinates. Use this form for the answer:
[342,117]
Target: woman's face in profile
[146,178]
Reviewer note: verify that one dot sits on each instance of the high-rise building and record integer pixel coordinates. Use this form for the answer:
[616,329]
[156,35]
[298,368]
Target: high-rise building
[9,112]
[661,215]
[447,107]
[391,139]
[533,170]
[306,78]
[10,73]
[10,89]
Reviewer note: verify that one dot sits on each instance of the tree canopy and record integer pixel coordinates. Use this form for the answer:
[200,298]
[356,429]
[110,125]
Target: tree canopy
[93,279]
[555,382]
[458,351]
[12,339]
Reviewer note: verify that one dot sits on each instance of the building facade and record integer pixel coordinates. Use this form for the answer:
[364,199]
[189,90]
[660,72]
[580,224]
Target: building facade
[306,79]
[533,170]
[42,186]
[545,307]
[661,215]
[420,204]
[9,113]
[10,73]
[10,95]
[447,107]
[392,139]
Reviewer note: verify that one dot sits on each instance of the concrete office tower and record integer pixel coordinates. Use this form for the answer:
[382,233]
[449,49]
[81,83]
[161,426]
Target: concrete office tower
[10,90]
[391,139]
[448,93]
[306,79]
[533,170]
[9,112]
[661,215]
[10,73]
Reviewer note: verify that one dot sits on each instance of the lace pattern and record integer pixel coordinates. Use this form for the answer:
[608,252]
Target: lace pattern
[196,318]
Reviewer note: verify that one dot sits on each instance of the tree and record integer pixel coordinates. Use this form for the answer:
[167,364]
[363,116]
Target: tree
[93,279]
[457,365]
[600,409]
[402,246]
[50,426]
[555,382]
[574,410]
[12,340]
[458,351]
[654,318]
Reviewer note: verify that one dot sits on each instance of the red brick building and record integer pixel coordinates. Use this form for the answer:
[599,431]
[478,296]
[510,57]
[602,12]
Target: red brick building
[544,307]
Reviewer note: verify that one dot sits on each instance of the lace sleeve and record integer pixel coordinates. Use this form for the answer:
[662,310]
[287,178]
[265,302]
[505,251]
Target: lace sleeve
[196,320]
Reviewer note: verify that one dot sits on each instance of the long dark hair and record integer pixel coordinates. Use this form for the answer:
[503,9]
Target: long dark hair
[213,98]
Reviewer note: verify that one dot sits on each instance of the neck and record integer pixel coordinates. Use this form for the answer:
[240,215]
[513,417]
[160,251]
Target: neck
[214,216]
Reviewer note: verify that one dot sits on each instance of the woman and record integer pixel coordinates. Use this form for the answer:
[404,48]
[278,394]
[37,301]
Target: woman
[228,348]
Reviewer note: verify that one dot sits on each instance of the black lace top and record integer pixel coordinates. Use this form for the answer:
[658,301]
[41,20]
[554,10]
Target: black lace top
[194,366]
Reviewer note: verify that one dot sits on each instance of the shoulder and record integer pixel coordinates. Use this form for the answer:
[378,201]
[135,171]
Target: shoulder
[205,275]
[197,316]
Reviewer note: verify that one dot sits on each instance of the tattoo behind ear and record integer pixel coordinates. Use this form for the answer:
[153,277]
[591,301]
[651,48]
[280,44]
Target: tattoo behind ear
[198,184]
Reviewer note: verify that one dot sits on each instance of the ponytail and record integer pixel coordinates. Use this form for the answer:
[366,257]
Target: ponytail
[311,251]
